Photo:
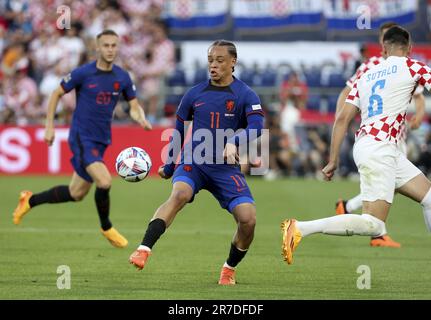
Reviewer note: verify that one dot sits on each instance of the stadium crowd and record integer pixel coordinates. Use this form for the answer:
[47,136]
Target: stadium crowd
[35,54]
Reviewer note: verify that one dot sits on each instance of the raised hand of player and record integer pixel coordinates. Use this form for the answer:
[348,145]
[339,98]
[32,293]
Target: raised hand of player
[230,153]
[49,135]
[328,171]
[137,114]
[255,163]
[146,124]
[162,172]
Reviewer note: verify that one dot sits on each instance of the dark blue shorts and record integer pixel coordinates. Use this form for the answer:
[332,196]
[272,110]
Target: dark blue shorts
[85,152]
[226,182]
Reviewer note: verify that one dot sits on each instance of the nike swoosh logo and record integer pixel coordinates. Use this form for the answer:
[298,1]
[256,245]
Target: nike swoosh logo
[199,104]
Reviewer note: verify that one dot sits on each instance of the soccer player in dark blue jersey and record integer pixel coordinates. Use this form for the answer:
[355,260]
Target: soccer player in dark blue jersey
[98,86]
[223,103]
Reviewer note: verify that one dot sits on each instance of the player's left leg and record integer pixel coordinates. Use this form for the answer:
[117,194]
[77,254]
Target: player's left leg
[419,189]
[186,183]
[245,217]
[75,191]
[102,178]
[411,182]
[228,186]
[355,203]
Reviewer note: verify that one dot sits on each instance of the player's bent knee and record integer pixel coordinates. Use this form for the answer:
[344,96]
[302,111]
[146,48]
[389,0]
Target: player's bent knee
[104,183]
[78,195]
[249,221]
[181,197]
[374,227]
[246,216]
[247,227]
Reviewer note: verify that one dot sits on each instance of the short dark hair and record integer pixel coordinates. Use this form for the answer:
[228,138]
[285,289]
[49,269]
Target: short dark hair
[230,46]
[387,25]
[107,32]
[231,49]
[397,35]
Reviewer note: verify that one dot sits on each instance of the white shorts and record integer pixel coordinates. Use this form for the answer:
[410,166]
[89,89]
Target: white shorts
[382,167]
[402,146]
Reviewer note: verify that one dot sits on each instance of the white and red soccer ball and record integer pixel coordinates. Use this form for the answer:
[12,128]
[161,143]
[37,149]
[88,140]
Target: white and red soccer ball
[133,164]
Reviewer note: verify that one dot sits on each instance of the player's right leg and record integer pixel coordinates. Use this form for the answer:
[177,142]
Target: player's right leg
[377,164]
[185,185]
[75,191]
[355,203]
[367,224]
[102,178]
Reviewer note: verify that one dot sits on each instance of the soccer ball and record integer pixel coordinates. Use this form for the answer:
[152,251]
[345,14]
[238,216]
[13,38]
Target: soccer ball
[133,164]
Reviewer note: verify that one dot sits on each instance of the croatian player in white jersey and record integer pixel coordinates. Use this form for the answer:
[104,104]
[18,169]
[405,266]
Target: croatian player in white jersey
[342,206]
[382,95]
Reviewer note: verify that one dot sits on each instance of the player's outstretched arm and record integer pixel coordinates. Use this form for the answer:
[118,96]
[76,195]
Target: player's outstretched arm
[417,119]
[52,107]
[138,114]
[341,99]
[339,130]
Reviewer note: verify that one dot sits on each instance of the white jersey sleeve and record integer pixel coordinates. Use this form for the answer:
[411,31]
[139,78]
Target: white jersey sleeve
[383,94]
[420,72]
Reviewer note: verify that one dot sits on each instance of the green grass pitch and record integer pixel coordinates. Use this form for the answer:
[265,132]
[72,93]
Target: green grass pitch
[187,259]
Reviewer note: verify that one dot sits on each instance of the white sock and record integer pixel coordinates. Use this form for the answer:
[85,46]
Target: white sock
[344,225]
[426,206]
[354,204]
[142,247]
[228,266]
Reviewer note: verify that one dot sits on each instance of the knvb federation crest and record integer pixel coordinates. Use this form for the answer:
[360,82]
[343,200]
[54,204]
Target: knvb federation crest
[230,105]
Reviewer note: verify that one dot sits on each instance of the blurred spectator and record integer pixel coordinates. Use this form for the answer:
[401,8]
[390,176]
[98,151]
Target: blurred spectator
[363,57]
[295,90]
[45,51]
[143,8]
[159,62]
[12,56]
[289,120]
[347,165]
[424,159]
[21,98]
[73,47]
[48,84]
[18,19]
[319,138]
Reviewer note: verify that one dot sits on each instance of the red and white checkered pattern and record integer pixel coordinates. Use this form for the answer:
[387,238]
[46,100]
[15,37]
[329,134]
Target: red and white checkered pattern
[384,92]
[364,67]
[388,128]
[420,72]
[353,96]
